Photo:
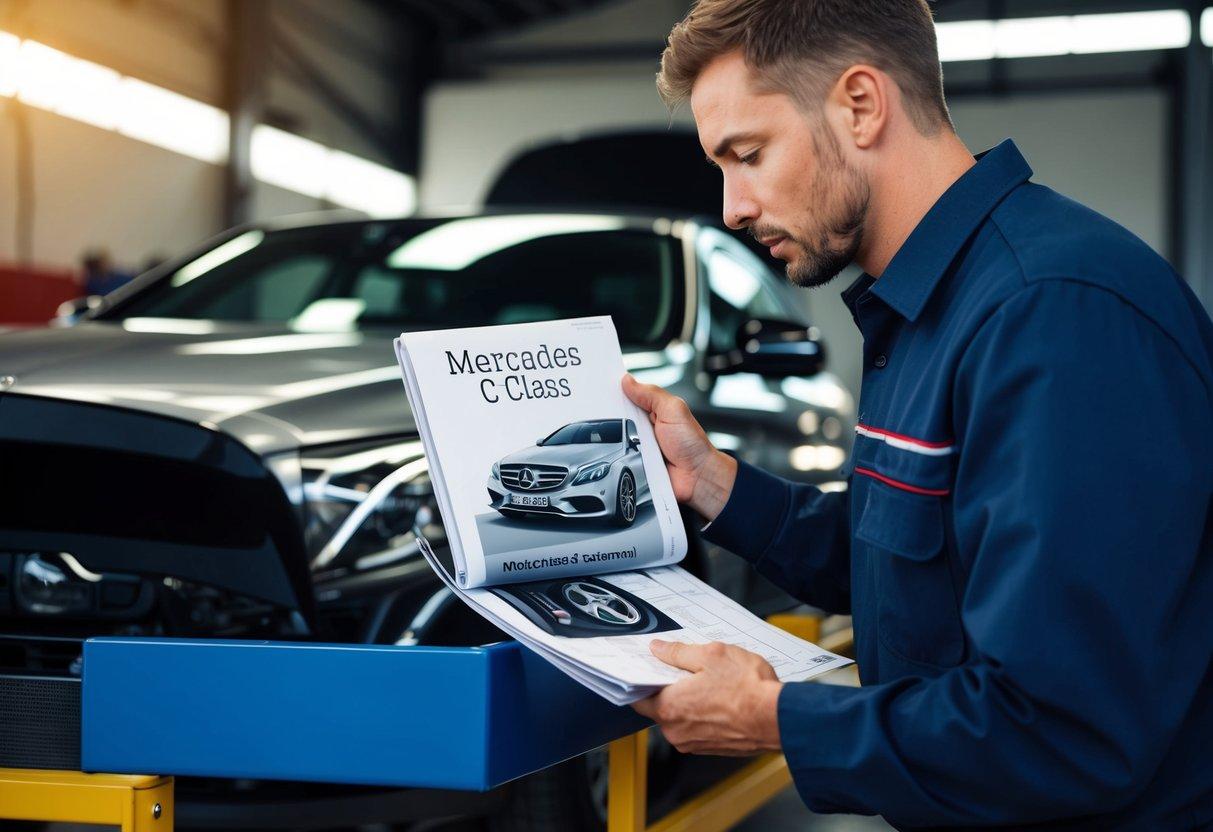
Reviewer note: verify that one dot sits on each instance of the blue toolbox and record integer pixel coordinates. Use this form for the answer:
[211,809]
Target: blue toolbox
[442,717]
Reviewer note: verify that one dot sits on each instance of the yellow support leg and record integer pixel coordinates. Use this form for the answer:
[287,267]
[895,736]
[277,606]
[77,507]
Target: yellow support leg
[716,809]
[731,800]
[132,802]
[627,786]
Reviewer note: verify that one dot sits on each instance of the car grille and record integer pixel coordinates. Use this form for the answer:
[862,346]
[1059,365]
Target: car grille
[39,722]
[546,477]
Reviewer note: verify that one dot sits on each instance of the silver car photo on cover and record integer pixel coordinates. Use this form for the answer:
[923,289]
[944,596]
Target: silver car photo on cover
[584,469]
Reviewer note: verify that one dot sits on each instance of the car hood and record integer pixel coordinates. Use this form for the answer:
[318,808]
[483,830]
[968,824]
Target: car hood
[570,455]
[270,387]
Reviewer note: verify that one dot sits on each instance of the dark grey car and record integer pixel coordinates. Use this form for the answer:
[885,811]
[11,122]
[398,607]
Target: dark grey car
[223,448]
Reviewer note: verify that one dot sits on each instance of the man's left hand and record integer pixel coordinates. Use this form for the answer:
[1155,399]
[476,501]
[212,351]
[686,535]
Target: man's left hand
[728,707]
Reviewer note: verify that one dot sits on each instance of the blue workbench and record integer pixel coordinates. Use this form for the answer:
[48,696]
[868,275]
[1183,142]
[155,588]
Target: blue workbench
[443,717]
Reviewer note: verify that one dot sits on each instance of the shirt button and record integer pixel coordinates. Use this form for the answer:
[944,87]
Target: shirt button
[880,361]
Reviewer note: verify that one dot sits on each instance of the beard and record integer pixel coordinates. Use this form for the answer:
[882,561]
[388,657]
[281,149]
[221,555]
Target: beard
[844,194]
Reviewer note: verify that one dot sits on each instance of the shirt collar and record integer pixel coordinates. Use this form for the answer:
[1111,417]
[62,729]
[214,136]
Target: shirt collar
[925,256]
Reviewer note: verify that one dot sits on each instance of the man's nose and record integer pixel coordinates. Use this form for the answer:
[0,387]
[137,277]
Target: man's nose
[740,210]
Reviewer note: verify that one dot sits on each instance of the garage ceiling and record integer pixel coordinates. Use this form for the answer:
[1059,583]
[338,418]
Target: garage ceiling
[463,19]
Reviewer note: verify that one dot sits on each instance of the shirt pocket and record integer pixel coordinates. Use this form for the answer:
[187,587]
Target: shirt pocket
[917,614]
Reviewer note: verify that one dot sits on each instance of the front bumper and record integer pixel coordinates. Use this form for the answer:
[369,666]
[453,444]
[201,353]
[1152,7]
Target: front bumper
[591,499]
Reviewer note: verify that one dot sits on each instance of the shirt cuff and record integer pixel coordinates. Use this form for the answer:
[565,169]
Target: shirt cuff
[753,514]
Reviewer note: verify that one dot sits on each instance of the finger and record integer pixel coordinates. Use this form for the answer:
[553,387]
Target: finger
[643,395]
[647,707]
[676,653]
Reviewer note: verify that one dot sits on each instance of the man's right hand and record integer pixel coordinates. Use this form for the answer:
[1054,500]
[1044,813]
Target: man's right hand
[701,475]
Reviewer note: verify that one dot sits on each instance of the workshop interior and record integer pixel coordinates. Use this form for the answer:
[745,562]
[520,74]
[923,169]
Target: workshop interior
[216,216]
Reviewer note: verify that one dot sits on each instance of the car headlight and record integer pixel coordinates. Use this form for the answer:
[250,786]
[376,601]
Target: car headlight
[497,470]
[592,472]
[359,502]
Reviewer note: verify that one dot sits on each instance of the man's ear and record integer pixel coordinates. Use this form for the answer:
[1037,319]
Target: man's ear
[863,94]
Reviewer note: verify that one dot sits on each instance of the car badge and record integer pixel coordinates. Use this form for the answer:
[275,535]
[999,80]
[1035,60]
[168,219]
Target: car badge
[526,478]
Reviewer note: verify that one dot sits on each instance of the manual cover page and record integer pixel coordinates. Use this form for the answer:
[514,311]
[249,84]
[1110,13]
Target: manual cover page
[547,466]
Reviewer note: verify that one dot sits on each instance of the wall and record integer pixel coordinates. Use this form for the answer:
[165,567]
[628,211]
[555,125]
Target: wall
[92,187]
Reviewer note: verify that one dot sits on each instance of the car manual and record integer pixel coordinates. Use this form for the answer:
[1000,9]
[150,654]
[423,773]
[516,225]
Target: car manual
[562,525]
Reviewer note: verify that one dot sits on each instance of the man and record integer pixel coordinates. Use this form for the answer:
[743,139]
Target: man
[1026,546]
[98,275]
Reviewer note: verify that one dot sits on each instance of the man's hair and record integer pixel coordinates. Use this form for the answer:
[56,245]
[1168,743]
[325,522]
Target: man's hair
[802,47]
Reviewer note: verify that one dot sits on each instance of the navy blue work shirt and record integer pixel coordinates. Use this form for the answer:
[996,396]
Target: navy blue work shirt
[1026,546]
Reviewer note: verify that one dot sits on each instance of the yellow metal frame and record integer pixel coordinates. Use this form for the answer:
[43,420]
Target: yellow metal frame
[144,803]
[718,808]
[132,802]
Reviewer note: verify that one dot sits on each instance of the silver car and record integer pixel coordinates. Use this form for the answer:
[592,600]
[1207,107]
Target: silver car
[584,469]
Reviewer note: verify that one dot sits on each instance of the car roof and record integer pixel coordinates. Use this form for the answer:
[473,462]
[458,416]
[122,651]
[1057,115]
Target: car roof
[637,217]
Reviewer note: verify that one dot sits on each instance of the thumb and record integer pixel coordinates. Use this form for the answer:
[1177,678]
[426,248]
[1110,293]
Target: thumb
[643,395]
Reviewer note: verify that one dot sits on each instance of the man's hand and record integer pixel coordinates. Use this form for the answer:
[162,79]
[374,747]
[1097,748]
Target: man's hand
[729,707]
[701,475]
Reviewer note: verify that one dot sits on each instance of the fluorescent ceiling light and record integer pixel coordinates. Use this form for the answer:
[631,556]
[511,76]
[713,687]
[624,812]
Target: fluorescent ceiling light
[310,168]
[1031,37]
[217,257]
[1206,27]
[289,161]
[161,117]
[977,40]
[10,45]
[87,92]
[458,244]
[51,80]
[375,189]
[1132,31]
[965,40]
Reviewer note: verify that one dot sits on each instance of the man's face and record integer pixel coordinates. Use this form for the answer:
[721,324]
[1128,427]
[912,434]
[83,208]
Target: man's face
[785,176]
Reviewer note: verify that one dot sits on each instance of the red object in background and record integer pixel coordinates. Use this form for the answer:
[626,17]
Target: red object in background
[31,295]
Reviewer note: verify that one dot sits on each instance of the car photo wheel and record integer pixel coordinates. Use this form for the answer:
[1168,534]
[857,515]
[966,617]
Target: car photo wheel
[625,500]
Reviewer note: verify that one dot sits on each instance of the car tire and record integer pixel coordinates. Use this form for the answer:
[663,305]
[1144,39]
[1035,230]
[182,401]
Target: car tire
[625,500]
[573,796]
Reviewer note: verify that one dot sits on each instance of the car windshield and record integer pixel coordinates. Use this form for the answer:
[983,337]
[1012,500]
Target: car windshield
[608,431]
[431,274]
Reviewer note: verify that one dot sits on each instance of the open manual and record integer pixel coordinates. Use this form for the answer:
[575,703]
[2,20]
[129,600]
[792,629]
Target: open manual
[562,523]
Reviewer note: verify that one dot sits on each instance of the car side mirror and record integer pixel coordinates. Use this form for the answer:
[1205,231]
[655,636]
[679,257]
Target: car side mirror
[773,349]
[634,443]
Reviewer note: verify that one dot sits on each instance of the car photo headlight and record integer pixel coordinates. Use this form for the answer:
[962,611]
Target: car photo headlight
[592,472]
[359,502]
[497,471]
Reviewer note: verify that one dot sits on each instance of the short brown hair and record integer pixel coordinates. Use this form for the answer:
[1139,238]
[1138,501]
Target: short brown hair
[801,47]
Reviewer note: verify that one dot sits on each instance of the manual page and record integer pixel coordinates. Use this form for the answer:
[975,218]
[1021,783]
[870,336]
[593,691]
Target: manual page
[597,628]
[542,467]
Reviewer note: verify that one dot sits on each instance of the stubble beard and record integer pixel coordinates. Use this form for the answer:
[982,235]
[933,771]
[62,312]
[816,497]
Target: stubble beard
[836,243]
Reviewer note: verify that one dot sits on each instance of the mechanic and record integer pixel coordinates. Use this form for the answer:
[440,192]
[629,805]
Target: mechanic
[1026,546]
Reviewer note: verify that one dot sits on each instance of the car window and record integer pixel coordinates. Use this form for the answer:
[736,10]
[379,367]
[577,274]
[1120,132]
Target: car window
[736,294]
[587,433]
[428,274]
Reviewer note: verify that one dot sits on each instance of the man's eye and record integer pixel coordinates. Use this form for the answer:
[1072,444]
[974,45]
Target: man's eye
[749,158]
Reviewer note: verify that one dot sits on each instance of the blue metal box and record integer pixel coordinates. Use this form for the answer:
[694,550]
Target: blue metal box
[443,717]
